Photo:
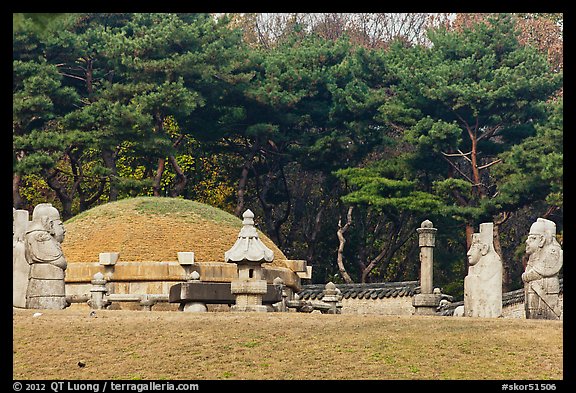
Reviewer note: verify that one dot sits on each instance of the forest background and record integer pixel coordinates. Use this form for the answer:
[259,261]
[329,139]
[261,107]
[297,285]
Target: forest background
[342,132]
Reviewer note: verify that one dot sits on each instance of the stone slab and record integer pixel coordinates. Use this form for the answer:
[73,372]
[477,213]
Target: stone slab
[215,293]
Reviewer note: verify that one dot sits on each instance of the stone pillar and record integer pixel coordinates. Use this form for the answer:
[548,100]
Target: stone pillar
[249,253]
[98,292]
[427,242]
[426,302]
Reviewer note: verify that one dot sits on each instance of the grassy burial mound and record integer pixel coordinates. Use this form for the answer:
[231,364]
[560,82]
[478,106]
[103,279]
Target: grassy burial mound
[146,229]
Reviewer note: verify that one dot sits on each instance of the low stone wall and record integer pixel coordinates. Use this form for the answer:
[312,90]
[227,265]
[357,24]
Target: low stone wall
[156,278]
[391,298]
[387,306]
[516,309]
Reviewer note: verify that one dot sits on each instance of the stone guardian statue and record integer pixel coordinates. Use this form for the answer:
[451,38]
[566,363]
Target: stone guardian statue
[45,233]
[483,284]
[541,282]
[20,266]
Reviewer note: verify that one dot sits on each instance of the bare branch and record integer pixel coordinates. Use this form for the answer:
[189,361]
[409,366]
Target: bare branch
[459,154]
[490,132]
[489,164]
[502,218]
[74,77]
[459,171]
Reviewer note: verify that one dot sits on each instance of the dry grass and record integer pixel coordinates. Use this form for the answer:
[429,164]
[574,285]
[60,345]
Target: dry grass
[157,345]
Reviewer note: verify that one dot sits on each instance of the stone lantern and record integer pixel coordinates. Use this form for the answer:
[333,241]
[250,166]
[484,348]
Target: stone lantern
[248,253]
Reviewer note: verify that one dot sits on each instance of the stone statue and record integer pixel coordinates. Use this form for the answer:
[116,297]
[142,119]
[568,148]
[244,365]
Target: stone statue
[20,266]
[541,282]
[483,284]
[45,233]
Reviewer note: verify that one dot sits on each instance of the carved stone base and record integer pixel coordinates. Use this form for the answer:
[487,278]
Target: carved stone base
[194,307]
[426,304]
[47,302]
[248,287]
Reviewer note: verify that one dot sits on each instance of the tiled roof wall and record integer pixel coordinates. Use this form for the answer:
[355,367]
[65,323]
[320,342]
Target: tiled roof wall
[363,291]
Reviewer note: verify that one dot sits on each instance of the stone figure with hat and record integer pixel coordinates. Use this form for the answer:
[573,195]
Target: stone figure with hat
[541,281]
[44,235]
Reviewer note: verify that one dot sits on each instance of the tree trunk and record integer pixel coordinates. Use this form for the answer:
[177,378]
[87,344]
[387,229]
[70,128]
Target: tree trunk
[157,180]
[506,280]
[372,265]
[469,232]
[181,178]
[17,200]
[506,264]
[396,240]
[273,221]
[281,220]
[241,190]
[110,163]
[62,194]
[244,180]
[156,186]
[342,240]
[311,238]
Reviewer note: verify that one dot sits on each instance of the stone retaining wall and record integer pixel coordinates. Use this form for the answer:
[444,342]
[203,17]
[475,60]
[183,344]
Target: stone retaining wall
[156,278]
[386,306]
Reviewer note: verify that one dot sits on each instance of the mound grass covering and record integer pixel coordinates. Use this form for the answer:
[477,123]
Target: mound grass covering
[155,229]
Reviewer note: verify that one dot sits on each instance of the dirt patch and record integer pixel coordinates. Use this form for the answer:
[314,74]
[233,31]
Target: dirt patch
[280,346]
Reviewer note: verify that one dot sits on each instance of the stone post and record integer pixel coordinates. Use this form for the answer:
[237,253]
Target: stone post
[108,261]
[331,297]
[146,303]
[186,260]
[97,292]
[427,242]
[282,304]
[426,302]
